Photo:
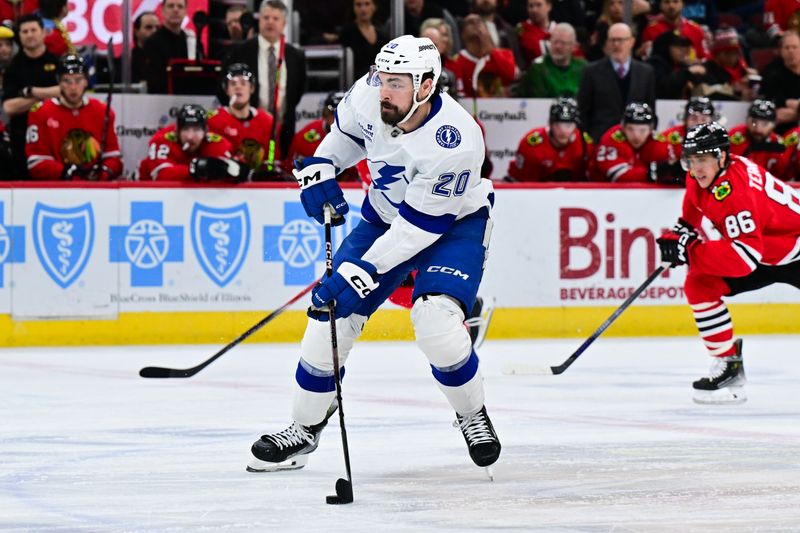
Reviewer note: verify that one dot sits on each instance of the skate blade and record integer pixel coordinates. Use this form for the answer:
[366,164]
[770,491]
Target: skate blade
[489,473]
[725,396]
[295,463]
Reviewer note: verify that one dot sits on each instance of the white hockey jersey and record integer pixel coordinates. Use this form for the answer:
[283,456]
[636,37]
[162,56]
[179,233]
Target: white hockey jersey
[422,181]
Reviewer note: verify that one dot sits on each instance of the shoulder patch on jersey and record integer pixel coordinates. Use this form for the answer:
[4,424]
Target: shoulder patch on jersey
[792,139]
[659,136]
[213,137]
[738,138]
[675,137]
[587,138]
[171,136]
[448,136]
[618,136]
[534,138]
[312,135]
[212,113]
[36,107]
[722,191]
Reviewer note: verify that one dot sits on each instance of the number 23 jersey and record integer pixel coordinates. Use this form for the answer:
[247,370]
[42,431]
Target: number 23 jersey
[757,214]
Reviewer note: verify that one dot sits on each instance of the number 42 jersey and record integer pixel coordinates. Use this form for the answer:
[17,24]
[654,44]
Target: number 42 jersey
[757,214]
[422,181]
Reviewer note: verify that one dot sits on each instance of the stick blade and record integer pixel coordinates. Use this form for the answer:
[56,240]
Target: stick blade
[344,493]
[161,372]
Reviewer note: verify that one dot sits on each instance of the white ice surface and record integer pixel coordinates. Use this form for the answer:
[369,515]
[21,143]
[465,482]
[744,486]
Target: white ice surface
[613,444]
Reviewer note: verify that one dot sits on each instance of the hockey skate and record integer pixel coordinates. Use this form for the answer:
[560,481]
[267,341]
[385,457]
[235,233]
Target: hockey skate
[478,321]
[286,450]
[725,382]
[482,441]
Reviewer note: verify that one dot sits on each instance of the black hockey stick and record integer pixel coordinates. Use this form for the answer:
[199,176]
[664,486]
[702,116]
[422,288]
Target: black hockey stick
[161,372]
[559,369]
[344,487]
[107,118]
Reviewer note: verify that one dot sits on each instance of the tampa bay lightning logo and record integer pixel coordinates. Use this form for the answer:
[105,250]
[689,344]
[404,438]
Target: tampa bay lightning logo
[146,244]
[448,136]
[63,238]
[220,237]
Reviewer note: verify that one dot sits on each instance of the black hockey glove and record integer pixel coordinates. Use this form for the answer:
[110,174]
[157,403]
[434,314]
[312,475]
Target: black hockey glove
[74,172]
[676,243]
[218,168]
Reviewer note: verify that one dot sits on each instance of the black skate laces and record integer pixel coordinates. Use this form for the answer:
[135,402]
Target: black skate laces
[291,436]
[475,428]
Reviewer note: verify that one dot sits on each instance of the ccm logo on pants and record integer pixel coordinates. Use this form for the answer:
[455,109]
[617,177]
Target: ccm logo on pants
[448,270]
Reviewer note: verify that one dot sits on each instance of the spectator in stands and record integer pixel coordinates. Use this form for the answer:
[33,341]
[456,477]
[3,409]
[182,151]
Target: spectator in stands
[6,50]
[56,37]
[144,26]
[671,19]
[502,33]
[30,78]
[534,33]
[559,152]
[756,138]
[11,10]
[262,54]
[609,84]
[726,75]
[671,59]
[556,73]
[169,41]
[307,140]
[480,53]
[248,129]
[445,40]
[233,23]
[186,151]
[630,151]
[321,20]
[780,15]
[65,134]
[363,36]
[416,11]
[433,30]
[703,12]
[781,82]
[613,13]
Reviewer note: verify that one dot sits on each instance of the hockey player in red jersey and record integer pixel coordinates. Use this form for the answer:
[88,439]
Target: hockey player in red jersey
[559,152]
[247,128]
[791,140]
[65,136]
[758,217]
[698,110]
[756,138]
[186,151]
[631,151]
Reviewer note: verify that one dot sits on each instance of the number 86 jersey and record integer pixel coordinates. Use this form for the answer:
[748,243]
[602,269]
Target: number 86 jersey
[757,214]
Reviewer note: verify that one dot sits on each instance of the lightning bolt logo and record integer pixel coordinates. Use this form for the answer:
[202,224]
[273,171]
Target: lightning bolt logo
[387,175]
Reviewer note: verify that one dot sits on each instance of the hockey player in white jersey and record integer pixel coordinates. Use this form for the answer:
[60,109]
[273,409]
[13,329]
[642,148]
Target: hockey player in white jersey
[427,208]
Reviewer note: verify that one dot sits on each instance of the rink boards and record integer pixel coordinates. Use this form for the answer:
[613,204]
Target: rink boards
[135,264]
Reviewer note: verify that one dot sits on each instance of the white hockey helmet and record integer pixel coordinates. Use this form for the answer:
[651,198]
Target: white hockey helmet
[416,56]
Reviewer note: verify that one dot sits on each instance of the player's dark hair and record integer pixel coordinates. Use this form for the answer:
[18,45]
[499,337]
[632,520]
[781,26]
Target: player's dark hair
[51,9]
[137,23]
[30,17]
[429,76]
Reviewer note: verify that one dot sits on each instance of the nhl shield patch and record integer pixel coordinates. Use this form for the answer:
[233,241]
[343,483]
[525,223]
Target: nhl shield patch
[63,239]
[220,237]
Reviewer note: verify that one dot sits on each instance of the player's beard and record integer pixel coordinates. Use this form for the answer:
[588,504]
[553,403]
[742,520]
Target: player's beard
[391,114]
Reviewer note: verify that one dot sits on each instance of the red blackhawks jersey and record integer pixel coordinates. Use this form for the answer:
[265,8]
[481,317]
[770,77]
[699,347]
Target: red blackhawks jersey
[59,136]
[249,138]
[792,142]
[304,144]
[775,162]
[166,161]
[691,30]
[778,15]
[500,62]
[674,138]
[538,160]
[757,214]
[616,160]
[533,40]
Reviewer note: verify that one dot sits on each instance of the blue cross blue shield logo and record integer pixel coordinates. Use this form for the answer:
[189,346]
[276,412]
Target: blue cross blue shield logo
[220,237]
[12,243]
[63,239]
[299,242]
[146,244]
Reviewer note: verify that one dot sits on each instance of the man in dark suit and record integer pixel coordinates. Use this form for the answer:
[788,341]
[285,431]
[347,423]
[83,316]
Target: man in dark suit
[609,84]
[287,78]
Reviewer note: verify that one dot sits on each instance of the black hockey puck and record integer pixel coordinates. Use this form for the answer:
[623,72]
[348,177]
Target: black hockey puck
[344,493]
